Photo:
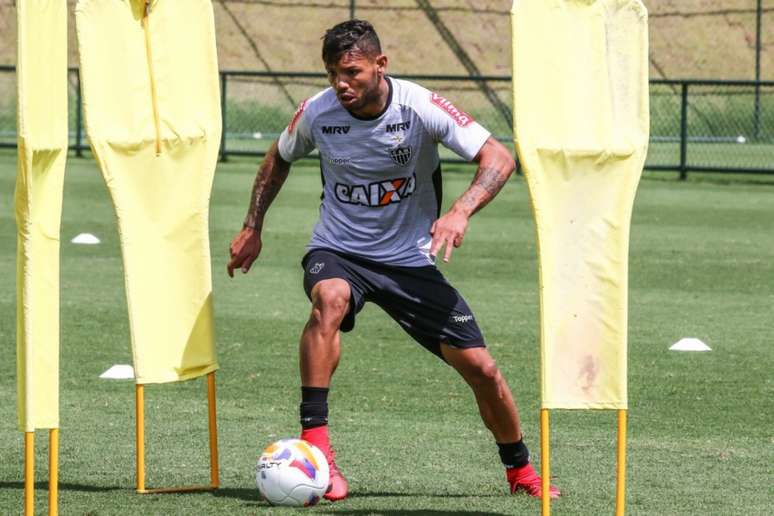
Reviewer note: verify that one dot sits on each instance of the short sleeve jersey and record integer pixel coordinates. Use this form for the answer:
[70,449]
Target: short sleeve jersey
[379,197]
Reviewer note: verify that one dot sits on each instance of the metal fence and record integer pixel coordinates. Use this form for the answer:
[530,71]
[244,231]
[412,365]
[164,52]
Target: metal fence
[712,126]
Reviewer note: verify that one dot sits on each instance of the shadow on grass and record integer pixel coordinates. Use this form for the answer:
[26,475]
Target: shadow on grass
[252,495]
[380,494]
[43,485]
[417,512]
[248,495]
[254,498]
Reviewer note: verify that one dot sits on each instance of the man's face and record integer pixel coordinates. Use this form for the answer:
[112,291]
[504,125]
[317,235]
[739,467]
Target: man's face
[355,78]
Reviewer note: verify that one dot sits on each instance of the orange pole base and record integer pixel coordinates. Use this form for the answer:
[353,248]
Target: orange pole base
[213,443]
[29,473]
[545,463]
[213,429]
[620,477]
[139,395]
[53,472]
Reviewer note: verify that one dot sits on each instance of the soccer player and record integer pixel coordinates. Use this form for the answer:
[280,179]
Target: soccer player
[380,230]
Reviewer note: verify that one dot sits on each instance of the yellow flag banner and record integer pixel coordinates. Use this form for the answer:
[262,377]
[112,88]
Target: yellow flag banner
[581,125]
[151,100]
[41,71]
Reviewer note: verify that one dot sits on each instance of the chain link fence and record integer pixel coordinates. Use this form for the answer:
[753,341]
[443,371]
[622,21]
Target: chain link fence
[714,126]
[258,105]
[77,141]
[725,126]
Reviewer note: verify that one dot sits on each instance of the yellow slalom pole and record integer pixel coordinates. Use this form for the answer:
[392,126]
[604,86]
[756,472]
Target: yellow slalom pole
[213,427]
[545,463]
[620,480]
[140,410]
[53,472]
[29,473]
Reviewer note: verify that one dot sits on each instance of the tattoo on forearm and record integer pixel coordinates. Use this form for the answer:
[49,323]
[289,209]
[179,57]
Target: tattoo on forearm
[469,200]
[490,179]
[487,183]
[267,184]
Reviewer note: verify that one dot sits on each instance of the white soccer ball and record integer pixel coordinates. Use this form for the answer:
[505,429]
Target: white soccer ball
[292,472]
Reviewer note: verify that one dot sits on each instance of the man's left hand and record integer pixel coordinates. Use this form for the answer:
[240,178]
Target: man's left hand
[449,231]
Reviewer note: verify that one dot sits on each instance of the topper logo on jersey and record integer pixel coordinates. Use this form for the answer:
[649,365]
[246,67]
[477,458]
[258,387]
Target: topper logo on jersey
[335,129]
[377,194]
[339,160]
[460,117]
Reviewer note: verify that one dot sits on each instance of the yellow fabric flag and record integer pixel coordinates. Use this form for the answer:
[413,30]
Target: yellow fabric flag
[581,124]
[41,72]
[151,99]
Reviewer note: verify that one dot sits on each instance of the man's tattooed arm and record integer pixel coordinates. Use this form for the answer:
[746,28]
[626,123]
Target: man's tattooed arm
[495,167]
[486,184]
[270,178]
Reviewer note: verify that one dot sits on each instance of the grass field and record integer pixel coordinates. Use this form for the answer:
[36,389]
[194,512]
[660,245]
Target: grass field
[701,435]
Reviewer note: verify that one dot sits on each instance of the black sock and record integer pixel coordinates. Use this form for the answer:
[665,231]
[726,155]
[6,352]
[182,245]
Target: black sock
[314,406]
[514,455]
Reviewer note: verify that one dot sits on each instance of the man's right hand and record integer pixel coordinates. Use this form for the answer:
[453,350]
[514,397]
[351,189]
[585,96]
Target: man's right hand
[244,250]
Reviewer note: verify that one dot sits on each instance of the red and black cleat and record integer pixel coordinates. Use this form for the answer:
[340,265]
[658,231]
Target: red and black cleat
[338,488]
[526,479]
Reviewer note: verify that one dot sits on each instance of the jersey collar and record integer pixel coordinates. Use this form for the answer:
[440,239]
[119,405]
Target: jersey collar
[383,111]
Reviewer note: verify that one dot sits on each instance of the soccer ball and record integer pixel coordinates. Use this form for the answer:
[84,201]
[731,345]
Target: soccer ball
[292,472]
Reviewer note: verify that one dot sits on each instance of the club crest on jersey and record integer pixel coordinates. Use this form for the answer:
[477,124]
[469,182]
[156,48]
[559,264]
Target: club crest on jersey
[378,193]
[401,155]
[461,118]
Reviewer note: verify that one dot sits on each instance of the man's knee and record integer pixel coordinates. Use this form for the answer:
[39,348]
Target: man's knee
[483,372]
[330,301]
[476,365]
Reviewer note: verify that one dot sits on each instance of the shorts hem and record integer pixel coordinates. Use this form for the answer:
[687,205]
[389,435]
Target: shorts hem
[465,345]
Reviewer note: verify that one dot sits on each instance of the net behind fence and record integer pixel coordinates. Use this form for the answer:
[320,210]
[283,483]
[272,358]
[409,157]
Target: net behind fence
[258,107]
[695,125]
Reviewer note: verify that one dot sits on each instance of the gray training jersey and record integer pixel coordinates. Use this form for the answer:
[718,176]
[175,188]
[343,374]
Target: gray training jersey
[379,194]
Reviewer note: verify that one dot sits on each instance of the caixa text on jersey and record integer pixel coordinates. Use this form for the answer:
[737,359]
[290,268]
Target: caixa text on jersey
[378,193]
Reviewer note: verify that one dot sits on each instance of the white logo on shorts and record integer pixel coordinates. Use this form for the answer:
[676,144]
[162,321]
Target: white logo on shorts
[317,268]
[461,318]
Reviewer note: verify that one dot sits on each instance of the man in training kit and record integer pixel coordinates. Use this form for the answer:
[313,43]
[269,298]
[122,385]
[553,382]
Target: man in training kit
[379,231]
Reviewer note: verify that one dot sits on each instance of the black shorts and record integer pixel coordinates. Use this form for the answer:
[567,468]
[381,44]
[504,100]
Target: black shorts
[419,299]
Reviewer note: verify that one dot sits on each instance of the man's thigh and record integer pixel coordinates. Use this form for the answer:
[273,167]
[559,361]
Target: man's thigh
[428,308]
[320,265]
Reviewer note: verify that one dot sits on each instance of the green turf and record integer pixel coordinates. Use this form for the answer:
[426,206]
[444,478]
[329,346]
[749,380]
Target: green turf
[405,427]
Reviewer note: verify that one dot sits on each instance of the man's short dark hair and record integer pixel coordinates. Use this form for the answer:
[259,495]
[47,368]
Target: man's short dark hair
[348,36]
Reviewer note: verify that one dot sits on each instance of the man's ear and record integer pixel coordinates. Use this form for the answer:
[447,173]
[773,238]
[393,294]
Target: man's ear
[381,64]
